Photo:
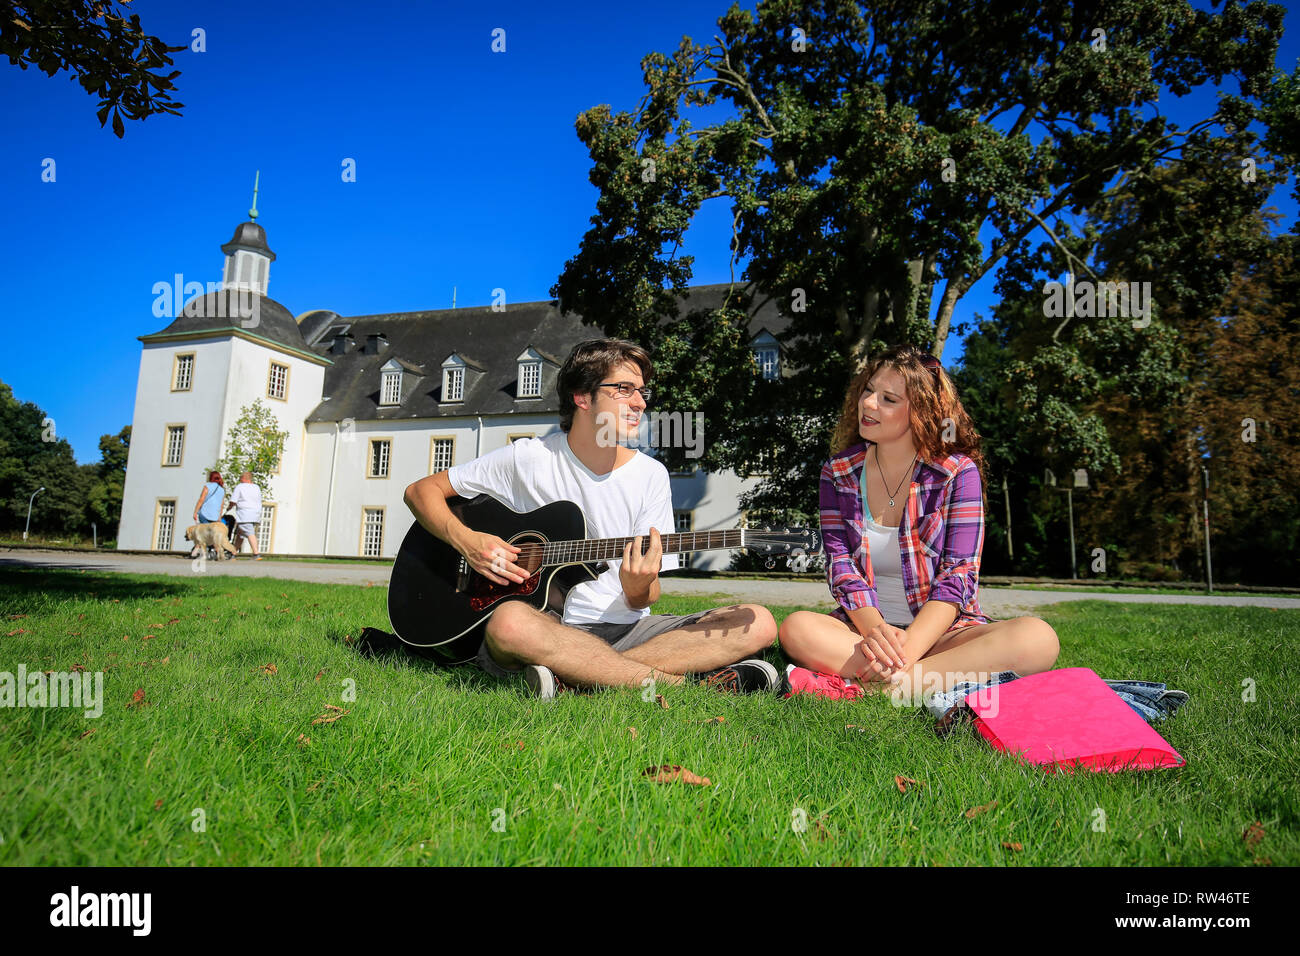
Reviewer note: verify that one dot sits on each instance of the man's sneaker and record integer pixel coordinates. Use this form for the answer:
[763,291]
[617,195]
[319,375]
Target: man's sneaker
[543,682]
[833,686]
[744,677]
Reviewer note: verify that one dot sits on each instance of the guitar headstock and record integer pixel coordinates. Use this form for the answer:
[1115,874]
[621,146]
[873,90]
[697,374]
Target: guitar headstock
[797,542]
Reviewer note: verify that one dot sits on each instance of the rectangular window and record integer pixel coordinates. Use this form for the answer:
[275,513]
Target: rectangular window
[768,365]
[444,455]
[183,374]
[379,452]
[392,390]
[372,533]
[530,380]
[166,524]
[453,385]
[278,383]
[264,529]
[684,521]
[174,449]
[514,438]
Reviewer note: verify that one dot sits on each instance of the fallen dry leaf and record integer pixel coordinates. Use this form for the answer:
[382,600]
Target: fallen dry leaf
[172,620]
[901,782]
[148,637]
[1253,834]
[304,740]
[319,675]
[20,630]
[77,667]
[15,617]
[1013,847]
[716,720]
[157,804]
[976,811]
[137,699]
[270,669]
[88,733]
[672,773]
[659,699]
[328,718]
[632,731]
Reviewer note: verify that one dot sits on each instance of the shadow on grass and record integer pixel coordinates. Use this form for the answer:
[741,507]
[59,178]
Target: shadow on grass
[64,583]
[381,647]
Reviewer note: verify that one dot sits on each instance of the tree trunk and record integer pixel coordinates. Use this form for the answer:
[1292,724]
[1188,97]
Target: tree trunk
[943,320]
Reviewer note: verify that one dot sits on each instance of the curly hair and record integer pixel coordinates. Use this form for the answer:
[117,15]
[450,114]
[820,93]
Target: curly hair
[940,426]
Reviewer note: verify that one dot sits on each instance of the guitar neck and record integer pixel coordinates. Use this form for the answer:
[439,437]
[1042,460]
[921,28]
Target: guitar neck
[611,549]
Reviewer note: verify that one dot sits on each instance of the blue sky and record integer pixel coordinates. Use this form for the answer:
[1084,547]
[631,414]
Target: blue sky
[469,173]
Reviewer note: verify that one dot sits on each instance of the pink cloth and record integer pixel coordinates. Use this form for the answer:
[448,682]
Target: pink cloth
[1067,718]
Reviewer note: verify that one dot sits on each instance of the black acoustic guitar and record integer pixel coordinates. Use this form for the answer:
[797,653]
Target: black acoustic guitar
[438,604]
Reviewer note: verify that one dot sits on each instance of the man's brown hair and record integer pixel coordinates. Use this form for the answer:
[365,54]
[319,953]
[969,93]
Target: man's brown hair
[587,366]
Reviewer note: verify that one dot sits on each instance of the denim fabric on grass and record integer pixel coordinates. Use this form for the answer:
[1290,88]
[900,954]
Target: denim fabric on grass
[1150,700]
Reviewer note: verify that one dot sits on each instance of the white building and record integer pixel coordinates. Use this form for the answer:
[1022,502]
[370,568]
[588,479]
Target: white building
[370,403]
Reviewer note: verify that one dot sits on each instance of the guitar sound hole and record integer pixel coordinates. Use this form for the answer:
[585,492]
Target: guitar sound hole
[483,593]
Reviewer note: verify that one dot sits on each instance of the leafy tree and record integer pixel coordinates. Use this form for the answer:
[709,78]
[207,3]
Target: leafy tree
[875,156]
[113,59]
[254,444]
[106,482]
[31,457]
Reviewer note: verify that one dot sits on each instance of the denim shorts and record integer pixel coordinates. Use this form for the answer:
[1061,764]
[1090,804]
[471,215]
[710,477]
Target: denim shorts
[621,637]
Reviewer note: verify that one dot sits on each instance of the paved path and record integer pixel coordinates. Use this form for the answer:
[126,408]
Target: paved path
[997,602]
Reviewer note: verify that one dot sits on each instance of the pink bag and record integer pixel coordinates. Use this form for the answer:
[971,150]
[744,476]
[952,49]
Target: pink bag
[1068,718]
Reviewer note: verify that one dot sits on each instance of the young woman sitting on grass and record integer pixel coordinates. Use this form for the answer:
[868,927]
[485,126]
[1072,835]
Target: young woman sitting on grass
[902,519]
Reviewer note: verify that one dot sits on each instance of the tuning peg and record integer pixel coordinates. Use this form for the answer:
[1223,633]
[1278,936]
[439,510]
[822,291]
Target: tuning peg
[770,563]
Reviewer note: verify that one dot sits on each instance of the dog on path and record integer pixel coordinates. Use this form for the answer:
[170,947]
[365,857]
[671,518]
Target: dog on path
[213,535]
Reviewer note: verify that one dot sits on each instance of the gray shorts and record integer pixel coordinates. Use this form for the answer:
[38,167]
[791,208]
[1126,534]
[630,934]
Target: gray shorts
[621,637]
[248,529]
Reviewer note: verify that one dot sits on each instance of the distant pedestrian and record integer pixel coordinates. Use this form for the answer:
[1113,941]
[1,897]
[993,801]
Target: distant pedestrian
[246,499]
[211,498]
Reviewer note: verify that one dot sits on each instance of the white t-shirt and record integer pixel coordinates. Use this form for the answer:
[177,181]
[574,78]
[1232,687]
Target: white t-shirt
[887,568]
[630,500]
[247,499]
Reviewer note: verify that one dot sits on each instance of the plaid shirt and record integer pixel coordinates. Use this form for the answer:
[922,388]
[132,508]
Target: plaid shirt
[941,535]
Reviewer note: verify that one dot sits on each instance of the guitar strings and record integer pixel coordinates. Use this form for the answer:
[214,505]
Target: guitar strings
[549,553]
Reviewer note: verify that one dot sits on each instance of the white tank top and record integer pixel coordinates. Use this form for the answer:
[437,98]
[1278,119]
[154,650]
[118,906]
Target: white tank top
[887,565]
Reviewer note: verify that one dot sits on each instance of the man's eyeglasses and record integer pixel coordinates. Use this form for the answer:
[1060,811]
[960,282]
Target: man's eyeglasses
[625,390]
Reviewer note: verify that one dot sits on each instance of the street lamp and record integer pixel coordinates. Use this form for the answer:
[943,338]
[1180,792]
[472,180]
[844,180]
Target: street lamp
[29,511]
[1209,571]
[1080,482]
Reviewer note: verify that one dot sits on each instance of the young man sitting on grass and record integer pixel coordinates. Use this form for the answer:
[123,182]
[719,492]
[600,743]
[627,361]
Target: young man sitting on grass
[607,637]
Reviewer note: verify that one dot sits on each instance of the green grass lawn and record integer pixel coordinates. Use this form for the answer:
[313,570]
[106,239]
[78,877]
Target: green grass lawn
[450,767]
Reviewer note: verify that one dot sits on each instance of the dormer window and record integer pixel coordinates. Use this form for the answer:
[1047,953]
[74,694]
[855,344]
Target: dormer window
[767,355]
[391,392]
[456,378]
[453,384]
[530,373]
[530,379]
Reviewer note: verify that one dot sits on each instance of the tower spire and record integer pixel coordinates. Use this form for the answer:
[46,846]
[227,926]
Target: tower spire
[252,213]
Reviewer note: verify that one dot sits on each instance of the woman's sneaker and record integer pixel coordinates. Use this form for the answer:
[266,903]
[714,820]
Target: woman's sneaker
[804,681]
[749,676]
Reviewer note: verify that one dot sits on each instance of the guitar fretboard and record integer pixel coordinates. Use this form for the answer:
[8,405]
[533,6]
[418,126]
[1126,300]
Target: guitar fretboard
[611,549]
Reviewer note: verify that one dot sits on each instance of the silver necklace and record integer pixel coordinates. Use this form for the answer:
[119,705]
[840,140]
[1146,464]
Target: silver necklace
[893,493]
